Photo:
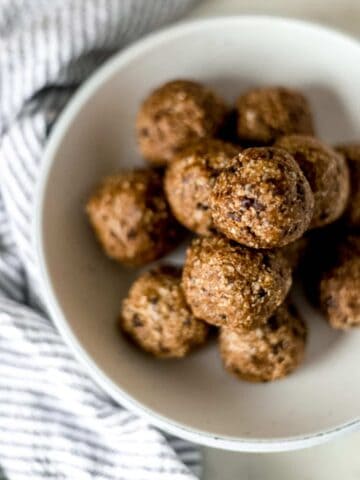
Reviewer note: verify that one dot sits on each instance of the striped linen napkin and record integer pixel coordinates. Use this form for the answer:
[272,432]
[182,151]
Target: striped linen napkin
[54,421]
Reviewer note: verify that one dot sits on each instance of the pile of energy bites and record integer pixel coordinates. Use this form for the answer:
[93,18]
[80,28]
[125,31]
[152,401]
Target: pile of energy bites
[256,187]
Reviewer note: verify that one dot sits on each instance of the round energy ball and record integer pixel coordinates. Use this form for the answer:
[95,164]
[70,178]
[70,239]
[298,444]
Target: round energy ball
[268,113]
[131,218]
[156,317]
[268,352]
[262,199]
[190,178]
[227,284]
[327,173]
[175,114]
[351,153]
[339,291]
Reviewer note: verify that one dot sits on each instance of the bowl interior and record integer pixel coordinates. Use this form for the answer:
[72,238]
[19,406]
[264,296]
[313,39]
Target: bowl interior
[96,137]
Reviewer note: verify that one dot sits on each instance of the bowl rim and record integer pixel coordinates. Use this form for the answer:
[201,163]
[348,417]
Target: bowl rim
[81,96]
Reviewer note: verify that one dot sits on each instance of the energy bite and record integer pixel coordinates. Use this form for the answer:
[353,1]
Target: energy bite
[227,284]
[327,173]
[268,352]
[340,286]
[155,315]
[351,153]
[262,199]
[131,218]
[190,178]
[175,114]
[268,113]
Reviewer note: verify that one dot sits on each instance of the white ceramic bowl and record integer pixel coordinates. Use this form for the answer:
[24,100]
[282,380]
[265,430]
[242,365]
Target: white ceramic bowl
[194,398]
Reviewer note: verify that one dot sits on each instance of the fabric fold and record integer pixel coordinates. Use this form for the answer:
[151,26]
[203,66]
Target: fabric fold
[54,421]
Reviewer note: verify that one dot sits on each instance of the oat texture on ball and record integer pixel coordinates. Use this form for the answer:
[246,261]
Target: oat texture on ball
[268,113]
[175,114]
[262,199]
[266,353]
[190,178]
[340,286]
[227,284]
[156,317]
[327,173]
[131,218]
[351,153]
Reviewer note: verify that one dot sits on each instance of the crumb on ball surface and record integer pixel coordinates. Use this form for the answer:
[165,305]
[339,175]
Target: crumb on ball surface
[189,180]
[227,284]
[268,113]
[266,353]
[351,153]
[262,199]
[175,114]
[131,218]
[155,315]
[327,173]
[340,287]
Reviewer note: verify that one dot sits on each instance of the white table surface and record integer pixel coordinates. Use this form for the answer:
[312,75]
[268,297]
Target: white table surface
[340,459]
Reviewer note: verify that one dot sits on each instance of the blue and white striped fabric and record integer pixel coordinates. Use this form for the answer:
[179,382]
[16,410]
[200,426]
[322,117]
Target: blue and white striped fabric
[54,422]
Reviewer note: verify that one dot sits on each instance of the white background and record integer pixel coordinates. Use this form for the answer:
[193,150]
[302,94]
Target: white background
[340,459]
